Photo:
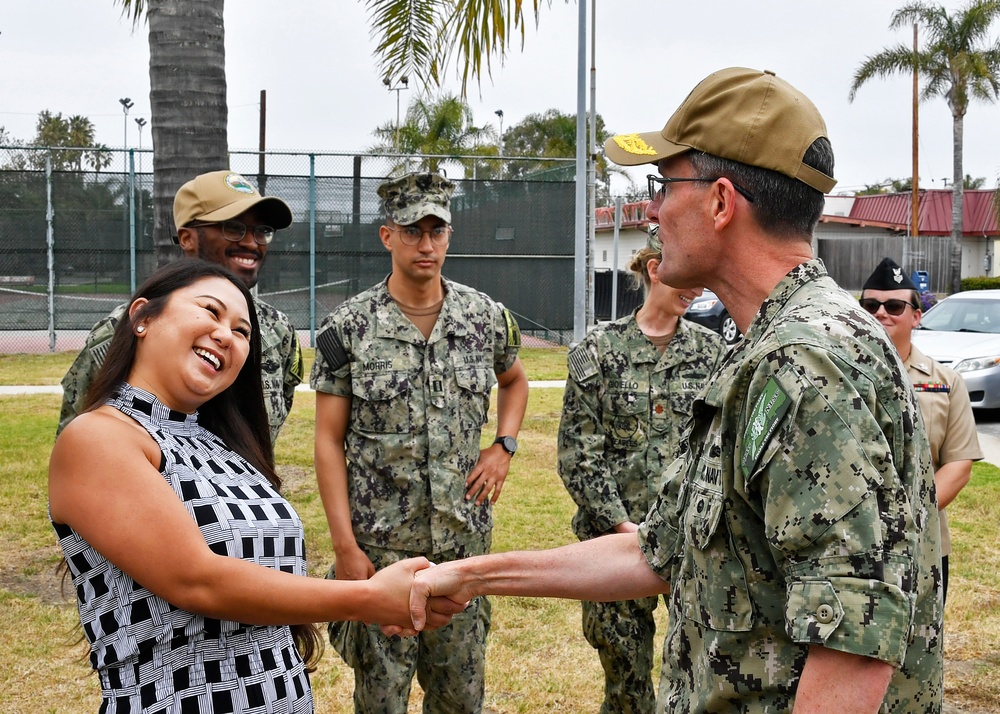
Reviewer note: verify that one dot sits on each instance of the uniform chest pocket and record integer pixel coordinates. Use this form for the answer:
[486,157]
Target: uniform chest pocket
[381,402]
[713,585]
[474,385]
[626,420]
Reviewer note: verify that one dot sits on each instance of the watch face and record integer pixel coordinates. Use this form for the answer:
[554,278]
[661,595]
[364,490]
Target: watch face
[509,444]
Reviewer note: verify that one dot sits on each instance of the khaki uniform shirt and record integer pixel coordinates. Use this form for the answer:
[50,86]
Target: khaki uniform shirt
[803,513]
[417,411]
[951,426]
[281,364]
[624,409]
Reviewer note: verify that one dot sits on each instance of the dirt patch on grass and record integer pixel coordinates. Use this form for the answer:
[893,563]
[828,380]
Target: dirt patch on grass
[33,573]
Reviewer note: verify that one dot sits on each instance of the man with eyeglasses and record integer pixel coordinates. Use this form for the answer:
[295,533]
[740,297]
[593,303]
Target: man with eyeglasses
[798,532]
[891,296]
[220,217]
[403,374]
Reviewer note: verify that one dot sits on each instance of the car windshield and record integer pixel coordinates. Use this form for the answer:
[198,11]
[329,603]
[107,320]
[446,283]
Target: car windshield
[963,315]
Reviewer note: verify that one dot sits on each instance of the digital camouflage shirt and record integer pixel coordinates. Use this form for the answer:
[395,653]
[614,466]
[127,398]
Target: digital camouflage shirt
[624,409]
[281,364]
[417,411]
[803,513]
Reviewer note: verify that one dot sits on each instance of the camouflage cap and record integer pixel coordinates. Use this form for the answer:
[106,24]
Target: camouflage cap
[409,198]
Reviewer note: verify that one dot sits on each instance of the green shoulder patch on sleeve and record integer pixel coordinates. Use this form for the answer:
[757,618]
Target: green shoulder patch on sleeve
[582,364]
[297,364]
[771,406]
[513,331]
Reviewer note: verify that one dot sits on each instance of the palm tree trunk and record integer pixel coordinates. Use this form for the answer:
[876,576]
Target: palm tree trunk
[957,196]
[187,73]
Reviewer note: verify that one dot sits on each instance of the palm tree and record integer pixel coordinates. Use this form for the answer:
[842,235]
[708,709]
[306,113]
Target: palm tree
[960,64]
[441,127]
[188,79]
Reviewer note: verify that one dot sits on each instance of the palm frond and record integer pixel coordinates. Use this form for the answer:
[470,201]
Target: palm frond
[135,10]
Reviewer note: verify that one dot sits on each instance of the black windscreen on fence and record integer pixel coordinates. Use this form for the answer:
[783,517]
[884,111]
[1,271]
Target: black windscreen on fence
[512,239]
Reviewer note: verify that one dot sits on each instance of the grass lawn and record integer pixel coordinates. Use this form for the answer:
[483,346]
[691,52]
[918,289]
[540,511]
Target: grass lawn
[538,660]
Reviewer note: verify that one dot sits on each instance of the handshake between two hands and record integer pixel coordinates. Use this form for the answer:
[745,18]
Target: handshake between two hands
[418,595]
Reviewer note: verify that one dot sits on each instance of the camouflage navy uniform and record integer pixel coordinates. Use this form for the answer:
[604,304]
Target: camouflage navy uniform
[417,410]
[804,513]
[624,410]
[281,364]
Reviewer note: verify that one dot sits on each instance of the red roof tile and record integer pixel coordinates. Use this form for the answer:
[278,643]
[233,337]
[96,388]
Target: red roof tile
[892,210]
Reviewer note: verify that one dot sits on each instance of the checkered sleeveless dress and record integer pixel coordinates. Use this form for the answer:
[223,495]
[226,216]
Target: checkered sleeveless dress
[153,657]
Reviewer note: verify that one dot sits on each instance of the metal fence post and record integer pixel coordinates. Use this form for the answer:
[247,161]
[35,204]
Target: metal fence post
[614,259]
[312,249]
[50,242]
[131,219]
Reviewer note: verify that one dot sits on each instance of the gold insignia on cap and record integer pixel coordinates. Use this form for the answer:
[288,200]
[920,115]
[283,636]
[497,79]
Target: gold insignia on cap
[633,144]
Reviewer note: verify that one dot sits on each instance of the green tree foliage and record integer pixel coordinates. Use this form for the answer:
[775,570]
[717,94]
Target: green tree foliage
[439,126]
[958,62]
[54,131]
[416,38]
[552,134]
[891,185]
[70,138]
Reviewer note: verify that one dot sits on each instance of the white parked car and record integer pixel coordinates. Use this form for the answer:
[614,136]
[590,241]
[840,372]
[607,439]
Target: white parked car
[963,332]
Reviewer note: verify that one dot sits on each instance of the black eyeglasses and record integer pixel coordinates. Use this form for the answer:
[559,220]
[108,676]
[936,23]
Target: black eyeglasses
[233,231]
[412,235]
[893,307]
[657,185]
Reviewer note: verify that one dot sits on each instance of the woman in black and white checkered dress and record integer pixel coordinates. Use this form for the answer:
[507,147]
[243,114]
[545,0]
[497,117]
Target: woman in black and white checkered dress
[188,565]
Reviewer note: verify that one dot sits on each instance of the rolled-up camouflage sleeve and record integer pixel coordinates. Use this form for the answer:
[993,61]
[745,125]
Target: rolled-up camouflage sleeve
[76,382]
[581,442]
[293,367]
[506,341]
[815,457]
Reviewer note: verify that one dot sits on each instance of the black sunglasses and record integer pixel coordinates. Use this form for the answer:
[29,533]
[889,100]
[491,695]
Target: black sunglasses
[658,184]
[893,307]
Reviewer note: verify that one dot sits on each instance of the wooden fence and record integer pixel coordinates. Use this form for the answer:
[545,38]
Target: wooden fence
[851,260]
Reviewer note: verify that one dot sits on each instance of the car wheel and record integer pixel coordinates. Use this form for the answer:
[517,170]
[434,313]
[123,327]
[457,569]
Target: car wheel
[727,328]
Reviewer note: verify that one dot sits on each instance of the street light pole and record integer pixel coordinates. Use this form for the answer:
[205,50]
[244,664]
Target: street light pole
[499,113]
[404,81]
[126,105]
[140,122]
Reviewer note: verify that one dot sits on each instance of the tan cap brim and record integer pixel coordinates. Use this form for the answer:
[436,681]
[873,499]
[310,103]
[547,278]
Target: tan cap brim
[271,211]
[645,148]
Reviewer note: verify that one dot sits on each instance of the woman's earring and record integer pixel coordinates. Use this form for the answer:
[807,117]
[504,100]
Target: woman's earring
[140,329]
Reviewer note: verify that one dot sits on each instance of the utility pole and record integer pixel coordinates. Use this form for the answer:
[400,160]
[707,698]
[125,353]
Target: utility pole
[914,188]
[261,143]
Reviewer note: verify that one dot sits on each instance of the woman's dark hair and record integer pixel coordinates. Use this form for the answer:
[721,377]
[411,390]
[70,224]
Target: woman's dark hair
[236,415]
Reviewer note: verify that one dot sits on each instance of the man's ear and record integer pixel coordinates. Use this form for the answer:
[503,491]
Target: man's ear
[187,239]
[384,234]
[724,197]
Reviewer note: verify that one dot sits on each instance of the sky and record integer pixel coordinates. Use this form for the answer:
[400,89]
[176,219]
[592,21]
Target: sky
[324,93]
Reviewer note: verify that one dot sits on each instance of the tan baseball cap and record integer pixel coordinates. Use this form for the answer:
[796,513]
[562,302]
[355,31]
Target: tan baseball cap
[222,195]
[739,114]
[409,198]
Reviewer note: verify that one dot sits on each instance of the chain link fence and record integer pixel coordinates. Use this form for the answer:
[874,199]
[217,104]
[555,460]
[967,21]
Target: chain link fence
[74,242]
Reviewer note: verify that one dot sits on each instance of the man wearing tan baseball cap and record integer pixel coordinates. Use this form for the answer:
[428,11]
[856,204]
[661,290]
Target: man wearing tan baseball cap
[798,535]
[222,218]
